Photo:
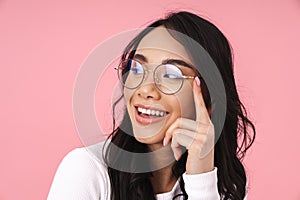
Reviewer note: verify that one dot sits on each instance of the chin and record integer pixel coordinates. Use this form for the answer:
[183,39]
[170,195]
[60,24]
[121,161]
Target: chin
[148,138]
[150,133]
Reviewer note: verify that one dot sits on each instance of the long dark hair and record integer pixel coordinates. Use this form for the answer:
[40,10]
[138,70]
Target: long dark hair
[237,134]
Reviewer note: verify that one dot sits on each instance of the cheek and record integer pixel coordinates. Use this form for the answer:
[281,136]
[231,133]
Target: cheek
[186,104]
[127,95]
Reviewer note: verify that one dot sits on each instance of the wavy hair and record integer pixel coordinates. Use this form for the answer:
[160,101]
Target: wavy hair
[237,135]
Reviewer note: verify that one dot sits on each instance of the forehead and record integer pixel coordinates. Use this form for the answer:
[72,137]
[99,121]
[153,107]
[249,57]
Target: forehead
[160,40]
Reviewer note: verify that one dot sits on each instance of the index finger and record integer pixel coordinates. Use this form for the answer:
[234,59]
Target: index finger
[201,111]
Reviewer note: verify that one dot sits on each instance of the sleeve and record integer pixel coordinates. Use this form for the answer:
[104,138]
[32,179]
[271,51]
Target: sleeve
[77,178]
[202,186]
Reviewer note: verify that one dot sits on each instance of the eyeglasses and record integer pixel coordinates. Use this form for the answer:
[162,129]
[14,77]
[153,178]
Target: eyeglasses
[168,78]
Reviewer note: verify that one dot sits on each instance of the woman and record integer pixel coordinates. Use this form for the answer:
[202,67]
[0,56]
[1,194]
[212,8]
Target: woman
[172,96]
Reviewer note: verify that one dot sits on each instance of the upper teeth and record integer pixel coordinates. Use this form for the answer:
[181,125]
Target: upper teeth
[151,112]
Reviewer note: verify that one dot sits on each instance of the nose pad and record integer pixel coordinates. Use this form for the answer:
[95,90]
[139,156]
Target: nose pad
[148,78]
[157,81]
[148,88]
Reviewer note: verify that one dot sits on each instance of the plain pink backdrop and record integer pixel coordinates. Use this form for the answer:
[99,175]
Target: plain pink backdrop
[43,44]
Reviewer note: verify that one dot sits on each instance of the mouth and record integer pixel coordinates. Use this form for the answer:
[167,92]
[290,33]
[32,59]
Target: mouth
[145,115]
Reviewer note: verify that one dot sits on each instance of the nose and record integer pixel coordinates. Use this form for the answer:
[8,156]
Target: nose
[148,89]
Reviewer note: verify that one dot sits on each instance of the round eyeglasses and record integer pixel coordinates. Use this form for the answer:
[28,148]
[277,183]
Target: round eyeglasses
[168,78]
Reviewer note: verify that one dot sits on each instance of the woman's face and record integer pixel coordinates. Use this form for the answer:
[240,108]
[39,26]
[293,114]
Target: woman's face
[153,50]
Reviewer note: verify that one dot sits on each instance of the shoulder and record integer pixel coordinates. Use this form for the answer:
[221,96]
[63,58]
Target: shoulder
[81,174]
[84,159]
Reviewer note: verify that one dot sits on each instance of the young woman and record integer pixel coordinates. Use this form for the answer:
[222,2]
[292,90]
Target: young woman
[174,141]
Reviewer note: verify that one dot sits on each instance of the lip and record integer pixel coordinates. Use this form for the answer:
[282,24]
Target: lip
[149,119]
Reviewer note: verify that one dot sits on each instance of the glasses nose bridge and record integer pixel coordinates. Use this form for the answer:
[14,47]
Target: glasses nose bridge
[149,73]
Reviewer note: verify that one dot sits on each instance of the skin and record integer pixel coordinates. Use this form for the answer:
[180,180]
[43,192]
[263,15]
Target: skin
[188,122]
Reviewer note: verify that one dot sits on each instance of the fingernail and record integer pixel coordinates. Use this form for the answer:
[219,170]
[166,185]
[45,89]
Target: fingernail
[197,81]
[164,142]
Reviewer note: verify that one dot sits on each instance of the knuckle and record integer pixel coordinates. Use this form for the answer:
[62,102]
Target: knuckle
[168,133]
[211,125]
[204,140]
[200,141]
[175,134]
[173,144]
[196,147]
[178,121]
[199,148]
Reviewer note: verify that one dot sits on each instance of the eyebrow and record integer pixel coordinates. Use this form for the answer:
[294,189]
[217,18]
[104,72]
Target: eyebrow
[166,61]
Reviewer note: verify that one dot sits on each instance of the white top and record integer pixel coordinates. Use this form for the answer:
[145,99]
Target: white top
[82,174]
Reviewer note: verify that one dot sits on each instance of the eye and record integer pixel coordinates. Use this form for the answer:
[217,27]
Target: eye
[173,76]
[135,67]
[172,72]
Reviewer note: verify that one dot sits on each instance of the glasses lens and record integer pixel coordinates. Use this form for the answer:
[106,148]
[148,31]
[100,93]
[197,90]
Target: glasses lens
[168,78]
[131,73]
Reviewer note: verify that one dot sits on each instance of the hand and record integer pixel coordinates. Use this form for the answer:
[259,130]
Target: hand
[197,136]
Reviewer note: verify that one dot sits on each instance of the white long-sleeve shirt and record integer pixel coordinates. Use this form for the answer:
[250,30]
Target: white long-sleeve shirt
[82,175]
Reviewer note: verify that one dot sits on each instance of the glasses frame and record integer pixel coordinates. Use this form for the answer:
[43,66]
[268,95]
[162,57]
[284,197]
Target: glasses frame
[154,78]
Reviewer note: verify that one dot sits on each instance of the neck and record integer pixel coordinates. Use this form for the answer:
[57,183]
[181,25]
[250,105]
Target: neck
[163,179]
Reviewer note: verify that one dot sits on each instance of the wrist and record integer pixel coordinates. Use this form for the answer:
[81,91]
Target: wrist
[196,165]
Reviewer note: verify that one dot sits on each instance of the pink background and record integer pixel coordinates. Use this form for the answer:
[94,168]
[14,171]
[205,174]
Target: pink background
[43,43]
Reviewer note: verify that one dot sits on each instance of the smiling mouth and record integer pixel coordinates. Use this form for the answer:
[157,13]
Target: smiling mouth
[151,112]
[147,116]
